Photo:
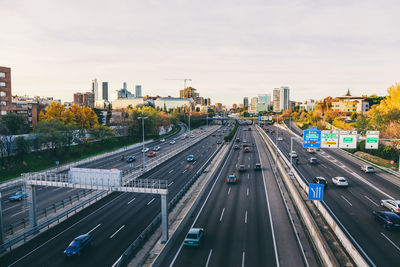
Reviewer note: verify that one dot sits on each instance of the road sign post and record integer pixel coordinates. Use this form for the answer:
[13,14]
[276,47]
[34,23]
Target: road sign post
[312,138]
[315,192]
[372,140]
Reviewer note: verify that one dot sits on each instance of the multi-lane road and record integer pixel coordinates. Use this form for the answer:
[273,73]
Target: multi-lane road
[353,206]
[246,223]
[115,221]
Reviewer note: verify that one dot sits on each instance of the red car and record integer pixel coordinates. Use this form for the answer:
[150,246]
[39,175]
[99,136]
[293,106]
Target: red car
[246,149]
[151,154]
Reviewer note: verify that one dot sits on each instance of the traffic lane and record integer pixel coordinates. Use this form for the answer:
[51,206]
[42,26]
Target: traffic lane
[352,207]
[289,251]
[143,224]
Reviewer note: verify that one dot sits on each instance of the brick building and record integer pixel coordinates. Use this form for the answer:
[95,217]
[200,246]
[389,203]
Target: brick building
[5,91]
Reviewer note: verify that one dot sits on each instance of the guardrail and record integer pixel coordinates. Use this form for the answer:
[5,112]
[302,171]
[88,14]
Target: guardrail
[23,222]
[349,243]
[142,238]
[7,246]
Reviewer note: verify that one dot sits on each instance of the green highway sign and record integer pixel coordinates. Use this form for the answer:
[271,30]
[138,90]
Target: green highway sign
[372,140]
[329,139]
[348,139]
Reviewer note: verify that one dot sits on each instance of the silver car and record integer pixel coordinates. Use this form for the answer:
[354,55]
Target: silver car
[392,205]
[367,169]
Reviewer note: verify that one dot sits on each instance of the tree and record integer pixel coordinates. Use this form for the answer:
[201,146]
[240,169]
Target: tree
[362,123]
[23,147]
[12,124]
[330,115]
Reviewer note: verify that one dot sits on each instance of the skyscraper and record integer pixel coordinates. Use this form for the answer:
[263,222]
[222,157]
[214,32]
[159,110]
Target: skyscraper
[95,89]
[138,91]
[277,102]
[105,91]
[284,98]
[263,102]
[78,99]
[246,102]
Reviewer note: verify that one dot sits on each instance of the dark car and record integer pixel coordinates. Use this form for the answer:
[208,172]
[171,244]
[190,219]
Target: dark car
[320,180]
[257,167]
[235,147]
[390,220]
[131,159]
[78,245]
[237,140]
[242,168]
[313,161]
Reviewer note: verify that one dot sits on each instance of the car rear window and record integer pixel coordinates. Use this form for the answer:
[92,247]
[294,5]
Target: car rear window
[191,236]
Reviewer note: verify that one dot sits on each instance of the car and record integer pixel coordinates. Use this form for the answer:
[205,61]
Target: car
[320,180]
[392,205]
[267,130]
[192,136]
[249,128]
[280,138]
[237,140]
[172,142]
[214,135]
[313,160]
[257,166]
[236,147]
[293,154]
[194,237]
[310,150]
[231,179]
[242,168]
[152,154]
[219,142]
[367,169]
[79,244]
[162,140]
[19,195]
[156,148]
[190,158]
[340,181]
[389,219]
[130,159]
[244,141]
[246,150]
[146,149]
[272,131]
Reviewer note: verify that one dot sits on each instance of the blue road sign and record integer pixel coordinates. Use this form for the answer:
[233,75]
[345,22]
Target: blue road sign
[315,192]
[259,118]
[312,137]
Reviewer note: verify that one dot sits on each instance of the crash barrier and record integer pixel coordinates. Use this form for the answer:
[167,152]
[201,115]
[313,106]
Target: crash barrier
[357,254]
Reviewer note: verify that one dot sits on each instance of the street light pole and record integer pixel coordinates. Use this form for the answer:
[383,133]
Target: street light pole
[276,151]
[144,158]
[291,154]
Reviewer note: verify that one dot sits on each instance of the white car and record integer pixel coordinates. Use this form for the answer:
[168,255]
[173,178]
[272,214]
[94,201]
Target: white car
[280,138]
[156,148]
[310,150]
[392,205]
[340,181]
[293,154]
[162,140]
[146,149]
[172,142]
[192,135]
[367,169]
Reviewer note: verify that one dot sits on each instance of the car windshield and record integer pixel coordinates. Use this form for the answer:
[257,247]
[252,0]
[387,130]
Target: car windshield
[191,236]
[342,180]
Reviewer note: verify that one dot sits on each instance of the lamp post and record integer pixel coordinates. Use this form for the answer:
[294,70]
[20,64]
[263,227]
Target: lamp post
[144,157]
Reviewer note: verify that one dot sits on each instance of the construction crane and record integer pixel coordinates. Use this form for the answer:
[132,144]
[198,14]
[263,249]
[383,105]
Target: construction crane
[184,81]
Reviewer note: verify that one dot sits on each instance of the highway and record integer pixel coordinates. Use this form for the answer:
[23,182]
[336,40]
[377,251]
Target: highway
[47,196]
[242,227]
[353,205]
[115,221]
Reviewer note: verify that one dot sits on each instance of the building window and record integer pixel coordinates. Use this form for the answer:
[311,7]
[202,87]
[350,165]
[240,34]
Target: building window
[2,74]
[3,112]
[3,103]
[3,94]
[2,84]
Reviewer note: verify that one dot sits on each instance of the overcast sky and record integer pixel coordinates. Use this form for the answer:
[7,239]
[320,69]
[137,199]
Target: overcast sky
[229,48]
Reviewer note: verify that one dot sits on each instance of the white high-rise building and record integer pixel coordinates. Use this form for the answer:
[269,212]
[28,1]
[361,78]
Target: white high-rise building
[276,98]
[95,89]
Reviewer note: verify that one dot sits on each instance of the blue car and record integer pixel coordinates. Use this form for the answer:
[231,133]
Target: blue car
[190,158]
[78,245]
[231,179]
[389,219]
[194,237]
[131,159]
[19,195]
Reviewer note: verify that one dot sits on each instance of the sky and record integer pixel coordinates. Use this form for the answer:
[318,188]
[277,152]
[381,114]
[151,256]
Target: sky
[230,49]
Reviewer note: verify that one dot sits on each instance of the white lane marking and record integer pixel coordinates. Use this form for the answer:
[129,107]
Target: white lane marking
[245,217]
[184,171]
[247,191]
[208,259]
[347,201]
[193,162]
[229,190]
[40,188]
[171,171]
[57,235]
[170,183]
[249,158]
[10,208]
[150,201]
[222,214]
[243,257]
[391,242]
[130,201]
[15,214]
[371,201]
[94,228]
[117,231]
[115,263]
[248,176]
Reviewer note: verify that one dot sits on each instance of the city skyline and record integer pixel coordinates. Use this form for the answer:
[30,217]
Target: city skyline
[254,47]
